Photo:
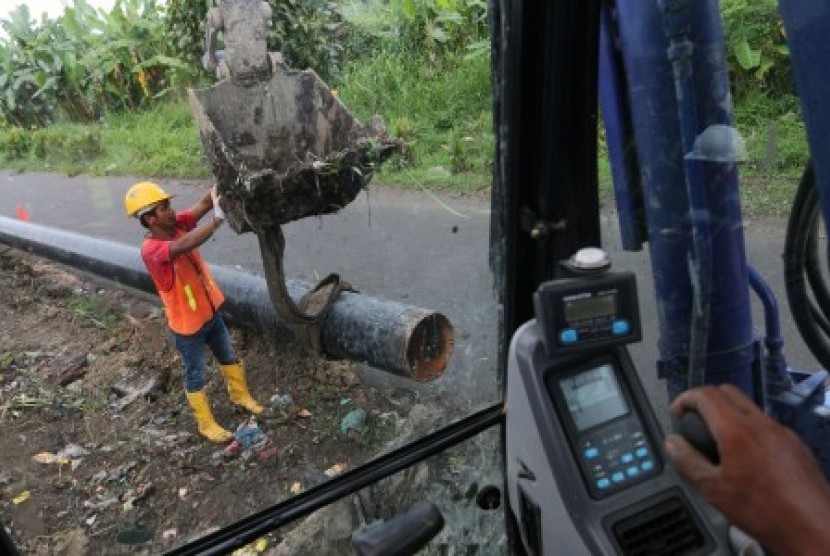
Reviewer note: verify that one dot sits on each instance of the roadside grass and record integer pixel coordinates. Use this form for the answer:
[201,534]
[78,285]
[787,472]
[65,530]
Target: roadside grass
[441,109]
[160,141]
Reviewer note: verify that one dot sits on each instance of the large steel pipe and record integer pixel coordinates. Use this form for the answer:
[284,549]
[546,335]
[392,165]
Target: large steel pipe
[404,340]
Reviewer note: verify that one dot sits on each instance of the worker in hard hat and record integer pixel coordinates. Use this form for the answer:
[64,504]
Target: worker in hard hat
[190,296]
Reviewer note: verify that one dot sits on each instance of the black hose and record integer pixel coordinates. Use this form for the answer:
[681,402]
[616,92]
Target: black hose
[807,290]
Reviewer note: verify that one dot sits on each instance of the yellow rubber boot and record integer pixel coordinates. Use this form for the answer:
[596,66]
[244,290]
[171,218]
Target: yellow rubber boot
[238,387]
[208,427]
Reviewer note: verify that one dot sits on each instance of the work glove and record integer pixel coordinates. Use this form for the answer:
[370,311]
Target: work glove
[218,213]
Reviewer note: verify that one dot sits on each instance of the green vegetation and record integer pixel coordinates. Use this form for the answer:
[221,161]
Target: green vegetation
[95,311]
[101,93]
[442,111]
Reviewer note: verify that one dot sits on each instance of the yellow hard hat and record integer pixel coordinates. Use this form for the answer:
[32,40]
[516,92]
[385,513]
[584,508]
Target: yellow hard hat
[143,195]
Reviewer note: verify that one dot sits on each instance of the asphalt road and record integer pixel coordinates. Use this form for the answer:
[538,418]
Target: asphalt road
[409,246]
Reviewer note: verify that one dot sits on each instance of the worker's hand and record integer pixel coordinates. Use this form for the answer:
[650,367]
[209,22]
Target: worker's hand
[767,482]
[218,213]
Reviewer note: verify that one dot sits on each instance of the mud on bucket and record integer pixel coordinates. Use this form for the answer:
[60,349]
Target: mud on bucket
[285,148]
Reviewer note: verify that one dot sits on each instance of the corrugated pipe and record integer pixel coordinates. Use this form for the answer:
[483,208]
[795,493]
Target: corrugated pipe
[404,340]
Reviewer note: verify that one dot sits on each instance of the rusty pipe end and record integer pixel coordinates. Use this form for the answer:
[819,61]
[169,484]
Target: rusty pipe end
[430,347]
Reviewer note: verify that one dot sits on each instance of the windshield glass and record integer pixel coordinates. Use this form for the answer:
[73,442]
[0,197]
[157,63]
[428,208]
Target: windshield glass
[132,418]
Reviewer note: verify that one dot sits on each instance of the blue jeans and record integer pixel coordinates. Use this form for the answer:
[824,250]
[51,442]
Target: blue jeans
[214,335]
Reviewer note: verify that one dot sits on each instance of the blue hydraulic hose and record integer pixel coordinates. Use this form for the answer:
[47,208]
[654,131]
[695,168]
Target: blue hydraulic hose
[773,340]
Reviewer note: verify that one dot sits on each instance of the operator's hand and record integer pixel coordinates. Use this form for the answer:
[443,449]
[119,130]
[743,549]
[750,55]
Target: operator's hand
[767,482]
[218,213]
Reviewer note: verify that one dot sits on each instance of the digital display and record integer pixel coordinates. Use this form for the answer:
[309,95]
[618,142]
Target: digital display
[591,307]
[593,397]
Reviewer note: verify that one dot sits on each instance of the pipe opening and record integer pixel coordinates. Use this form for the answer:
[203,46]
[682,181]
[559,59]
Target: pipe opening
[430,347]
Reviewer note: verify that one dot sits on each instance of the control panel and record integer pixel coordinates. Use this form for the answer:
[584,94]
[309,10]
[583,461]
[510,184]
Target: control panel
[604,429]
[588,312]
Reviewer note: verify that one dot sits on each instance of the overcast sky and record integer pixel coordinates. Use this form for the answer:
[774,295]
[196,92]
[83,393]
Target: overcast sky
[51,7]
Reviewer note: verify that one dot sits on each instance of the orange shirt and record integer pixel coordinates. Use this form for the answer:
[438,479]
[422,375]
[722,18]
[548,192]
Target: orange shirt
[185,285]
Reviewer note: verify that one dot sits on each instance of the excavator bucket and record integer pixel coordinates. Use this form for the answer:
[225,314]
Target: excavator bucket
[285,147]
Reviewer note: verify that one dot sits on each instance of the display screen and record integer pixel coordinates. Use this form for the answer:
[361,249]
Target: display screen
[591,307]
[593,397]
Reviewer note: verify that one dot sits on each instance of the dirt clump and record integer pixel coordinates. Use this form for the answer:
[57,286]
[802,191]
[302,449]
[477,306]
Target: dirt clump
[99,452]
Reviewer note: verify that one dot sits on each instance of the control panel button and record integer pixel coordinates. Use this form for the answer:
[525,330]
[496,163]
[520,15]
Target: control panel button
[626,458]
[632,471]
[591,453]
[641,452]
[620,327]
[618,477]
[647,465]
[603,483]
[568,336]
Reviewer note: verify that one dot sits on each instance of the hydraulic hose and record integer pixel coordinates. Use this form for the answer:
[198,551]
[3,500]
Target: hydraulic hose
[807,289]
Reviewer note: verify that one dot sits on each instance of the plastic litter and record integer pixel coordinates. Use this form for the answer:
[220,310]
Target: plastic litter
[22,497]
[304,413]
[354,420]
[48,458]
[249,434]
[281,400]
[134,536]
[257,547]
[336,469]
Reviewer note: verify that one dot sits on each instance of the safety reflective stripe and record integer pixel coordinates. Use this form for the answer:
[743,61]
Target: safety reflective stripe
[191,301]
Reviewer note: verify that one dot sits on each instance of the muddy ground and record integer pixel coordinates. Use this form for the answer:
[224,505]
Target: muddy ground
[98,448]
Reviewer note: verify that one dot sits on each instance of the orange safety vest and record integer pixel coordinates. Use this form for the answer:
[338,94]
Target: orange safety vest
[194,297]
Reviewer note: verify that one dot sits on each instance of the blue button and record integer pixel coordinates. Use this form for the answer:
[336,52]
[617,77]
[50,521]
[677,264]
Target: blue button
[620,327]
[626,458]
[647,465]
[618,477]
[591,453]
[568,336]
[632,471]
[641,452]
[603,483]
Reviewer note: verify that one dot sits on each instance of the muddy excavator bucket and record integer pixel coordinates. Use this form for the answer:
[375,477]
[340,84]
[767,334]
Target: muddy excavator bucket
[285,148]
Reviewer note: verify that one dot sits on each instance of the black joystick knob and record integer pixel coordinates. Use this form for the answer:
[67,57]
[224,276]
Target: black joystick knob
[694,429]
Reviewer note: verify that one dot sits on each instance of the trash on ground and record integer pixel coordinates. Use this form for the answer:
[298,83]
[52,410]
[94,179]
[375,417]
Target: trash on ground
[137,535]
[354,420]
[133,495]
[336,469]
[233,448]
[48,458]
[169,534]
[73,451]
[22,497]
[281,400]
[267,453]
[304,413]
[296,487]
[256,547]
[249,434]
